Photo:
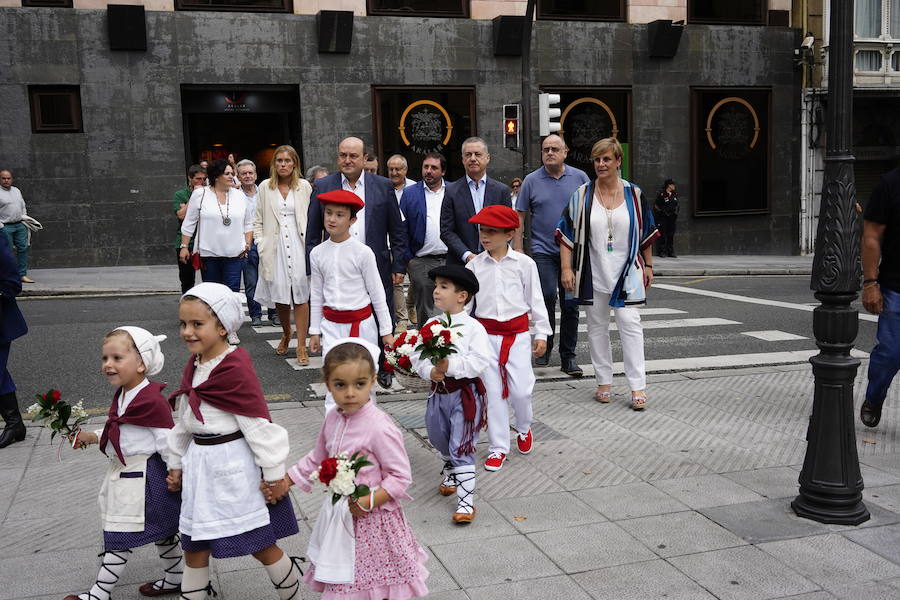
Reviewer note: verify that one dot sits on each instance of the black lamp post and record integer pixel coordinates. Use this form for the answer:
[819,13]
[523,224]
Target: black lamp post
[830,482]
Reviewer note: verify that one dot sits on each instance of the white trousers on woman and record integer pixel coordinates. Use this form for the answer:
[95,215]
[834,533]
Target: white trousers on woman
[628,321]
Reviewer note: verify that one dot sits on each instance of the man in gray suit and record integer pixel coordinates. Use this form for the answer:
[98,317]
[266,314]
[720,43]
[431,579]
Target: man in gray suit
[464,198]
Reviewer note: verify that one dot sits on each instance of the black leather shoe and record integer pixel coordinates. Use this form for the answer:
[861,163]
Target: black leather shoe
[571,368]
[385,379]
[869,414]
[14,431]
[542,361]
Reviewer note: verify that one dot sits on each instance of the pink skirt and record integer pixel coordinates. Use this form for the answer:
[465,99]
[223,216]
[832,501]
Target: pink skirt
[389,562]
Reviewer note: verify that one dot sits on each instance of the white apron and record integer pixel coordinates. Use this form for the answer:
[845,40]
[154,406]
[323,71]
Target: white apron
[220,494]
[122,498]
[332,543]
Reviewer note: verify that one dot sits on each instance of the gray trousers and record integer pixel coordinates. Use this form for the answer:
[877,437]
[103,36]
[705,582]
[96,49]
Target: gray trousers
[422,286]
[444,423]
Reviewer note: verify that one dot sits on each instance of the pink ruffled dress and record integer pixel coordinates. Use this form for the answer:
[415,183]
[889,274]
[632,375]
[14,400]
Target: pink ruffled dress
[390,563]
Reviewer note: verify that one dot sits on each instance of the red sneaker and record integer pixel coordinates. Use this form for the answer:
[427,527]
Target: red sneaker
[494,461]
[524,442]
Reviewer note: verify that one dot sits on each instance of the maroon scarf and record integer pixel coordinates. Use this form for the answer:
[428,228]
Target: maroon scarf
[468,399]
[148,409]
[232,386]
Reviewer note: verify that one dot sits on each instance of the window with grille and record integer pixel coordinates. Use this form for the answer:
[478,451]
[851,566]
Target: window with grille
[731,12]
[55,109]
[286,6]
[581,10]
[419,8]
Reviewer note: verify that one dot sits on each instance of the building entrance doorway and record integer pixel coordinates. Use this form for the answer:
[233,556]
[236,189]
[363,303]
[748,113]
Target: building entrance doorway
[248,123]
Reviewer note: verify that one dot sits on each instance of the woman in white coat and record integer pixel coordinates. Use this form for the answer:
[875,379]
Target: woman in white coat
[279,229]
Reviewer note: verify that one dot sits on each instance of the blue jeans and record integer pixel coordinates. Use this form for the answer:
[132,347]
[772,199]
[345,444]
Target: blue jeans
[17,234]
[226,271]
[251,273]
[548,269]
[884,361]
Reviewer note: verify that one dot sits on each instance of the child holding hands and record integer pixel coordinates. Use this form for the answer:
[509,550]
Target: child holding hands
[225,442]
[376,556]
[135,506]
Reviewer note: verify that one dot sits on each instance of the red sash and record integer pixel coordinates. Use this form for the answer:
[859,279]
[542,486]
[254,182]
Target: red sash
[468,399]
[348,316]
[509,330]
[147,409]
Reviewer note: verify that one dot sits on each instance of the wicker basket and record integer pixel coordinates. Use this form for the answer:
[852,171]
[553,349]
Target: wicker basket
[413,384]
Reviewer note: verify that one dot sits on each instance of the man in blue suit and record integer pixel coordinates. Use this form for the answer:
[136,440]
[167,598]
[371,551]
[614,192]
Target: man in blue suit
[421,204]
[12,326]
[375,223]
[464,198]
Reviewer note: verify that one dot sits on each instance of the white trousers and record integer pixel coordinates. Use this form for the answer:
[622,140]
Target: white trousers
[331,332]
[628,321]
[520,378]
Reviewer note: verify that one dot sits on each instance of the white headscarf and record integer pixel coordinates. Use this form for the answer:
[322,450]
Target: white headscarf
[374,350]
[224,303]
[147,345]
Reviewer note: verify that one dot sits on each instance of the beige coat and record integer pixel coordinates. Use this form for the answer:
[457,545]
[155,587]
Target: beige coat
[267,223]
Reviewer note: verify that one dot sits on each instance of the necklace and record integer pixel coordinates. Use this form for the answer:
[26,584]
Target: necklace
[609,217]
[226,220]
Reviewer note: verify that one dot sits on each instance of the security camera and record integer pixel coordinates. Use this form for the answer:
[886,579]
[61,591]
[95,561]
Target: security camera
[808,42]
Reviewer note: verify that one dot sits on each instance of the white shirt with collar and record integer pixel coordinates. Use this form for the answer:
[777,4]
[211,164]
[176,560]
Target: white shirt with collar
[136,439]
[433,202]
[406,184]
[477,191]
[358,229]
[508,288]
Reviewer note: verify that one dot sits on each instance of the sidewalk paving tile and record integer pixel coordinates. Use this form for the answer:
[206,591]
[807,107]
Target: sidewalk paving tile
[869,591]
[630,500]
[744,573]
[770,482]
[549,588]
[680,533]
[874,477]
[763,521]
[546,511]
[831,560]
[641,581]
[495,560]
[589,547]
[884,541]
[885,496]
[707,490]
[432,523]
[439,580]
[449,595]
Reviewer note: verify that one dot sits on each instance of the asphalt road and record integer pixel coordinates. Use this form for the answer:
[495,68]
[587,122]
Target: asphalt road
[62,349]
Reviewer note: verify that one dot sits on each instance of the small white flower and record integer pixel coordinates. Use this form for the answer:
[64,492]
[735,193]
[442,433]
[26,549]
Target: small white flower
[78,410]
[436,329]
[314,476]
[34,409]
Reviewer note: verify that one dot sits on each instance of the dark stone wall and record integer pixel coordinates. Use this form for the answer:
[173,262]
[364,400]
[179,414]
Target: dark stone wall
[104,196]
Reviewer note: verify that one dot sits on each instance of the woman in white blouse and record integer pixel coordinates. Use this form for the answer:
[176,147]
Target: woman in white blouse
[225,228]
[279,229]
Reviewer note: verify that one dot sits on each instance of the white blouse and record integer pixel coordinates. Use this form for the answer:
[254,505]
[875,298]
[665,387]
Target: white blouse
[268,441]
[606,267]
[136,439]
[215,239]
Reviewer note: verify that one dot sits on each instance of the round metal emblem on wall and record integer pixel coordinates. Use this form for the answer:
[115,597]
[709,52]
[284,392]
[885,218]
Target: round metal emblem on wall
[585,121]
[425,126]
[732,128]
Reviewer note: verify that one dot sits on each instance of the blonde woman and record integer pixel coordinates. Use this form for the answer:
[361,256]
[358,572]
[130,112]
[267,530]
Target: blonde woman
[279,229]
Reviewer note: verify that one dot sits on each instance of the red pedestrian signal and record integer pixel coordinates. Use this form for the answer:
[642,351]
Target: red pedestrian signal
[511,126]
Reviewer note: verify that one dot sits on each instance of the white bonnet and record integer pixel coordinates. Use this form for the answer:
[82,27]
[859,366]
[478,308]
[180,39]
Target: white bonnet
[147,345]
[374,350]
[224,303]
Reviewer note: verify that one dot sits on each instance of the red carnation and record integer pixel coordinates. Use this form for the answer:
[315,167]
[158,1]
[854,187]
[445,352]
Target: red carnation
[53,396]
[426,334]
[388,367]
[445,334]
[400,339]
[405,363]
[413,340]
[328,470]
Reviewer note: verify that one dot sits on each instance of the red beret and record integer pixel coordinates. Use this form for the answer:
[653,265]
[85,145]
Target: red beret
[342,197]
[497,215]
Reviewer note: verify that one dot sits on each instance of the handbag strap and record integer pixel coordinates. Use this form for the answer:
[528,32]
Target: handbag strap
[199,218]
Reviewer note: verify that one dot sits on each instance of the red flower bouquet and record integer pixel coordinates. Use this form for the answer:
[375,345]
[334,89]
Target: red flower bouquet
[338,475]
[51,411]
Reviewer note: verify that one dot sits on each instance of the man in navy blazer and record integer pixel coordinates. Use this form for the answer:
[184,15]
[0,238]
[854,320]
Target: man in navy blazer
[375,223]
[12,326]
[465,197]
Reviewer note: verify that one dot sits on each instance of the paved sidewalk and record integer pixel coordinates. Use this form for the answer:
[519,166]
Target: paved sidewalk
[687,500]
[164,278]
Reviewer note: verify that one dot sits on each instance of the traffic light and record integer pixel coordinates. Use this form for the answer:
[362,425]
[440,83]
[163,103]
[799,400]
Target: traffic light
[511,126]
[547,113]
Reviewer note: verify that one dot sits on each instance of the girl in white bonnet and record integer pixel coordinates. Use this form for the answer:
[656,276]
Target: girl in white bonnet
[136,507]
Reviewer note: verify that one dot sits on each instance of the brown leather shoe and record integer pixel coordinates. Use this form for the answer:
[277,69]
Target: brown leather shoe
[70,597]
[446,490]
[464,518]
[27,279]
[148,590]
[283,345]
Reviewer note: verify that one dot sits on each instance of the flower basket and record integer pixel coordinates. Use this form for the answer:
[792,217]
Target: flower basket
[413,383]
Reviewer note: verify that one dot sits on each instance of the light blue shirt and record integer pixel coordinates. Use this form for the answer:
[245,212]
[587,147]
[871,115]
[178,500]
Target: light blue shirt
[476,188]
[545,197]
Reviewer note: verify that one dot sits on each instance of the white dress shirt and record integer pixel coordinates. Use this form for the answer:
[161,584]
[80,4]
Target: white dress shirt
[216,239]
[508,288]
[345,277]
[477,191]
[433,202]
[267,441]
[473,352]
[358,229]
[137,439]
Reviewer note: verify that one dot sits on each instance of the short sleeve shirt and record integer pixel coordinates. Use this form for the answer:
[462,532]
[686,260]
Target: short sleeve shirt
[884,208]
[545,197]
[181,197]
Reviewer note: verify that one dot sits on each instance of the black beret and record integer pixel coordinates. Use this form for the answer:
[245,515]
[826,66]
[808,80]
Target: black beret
[459,275]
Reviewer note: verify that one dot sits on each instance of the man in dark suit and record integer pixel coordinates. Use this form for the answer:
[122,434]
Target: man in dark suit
[465,197]
[12,326]
[378,220]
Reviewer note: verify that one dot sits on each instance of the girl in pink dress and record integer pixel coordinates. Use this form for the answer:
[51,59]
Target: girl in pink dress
[388,561]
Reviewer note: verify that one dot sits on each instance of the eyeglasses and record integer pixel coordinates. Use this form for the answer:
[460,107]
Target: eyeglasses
[551,150]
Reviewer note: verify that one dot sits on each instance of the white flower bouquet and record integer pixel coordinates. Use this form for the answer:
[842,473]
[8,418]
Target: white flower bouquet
[338,475]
